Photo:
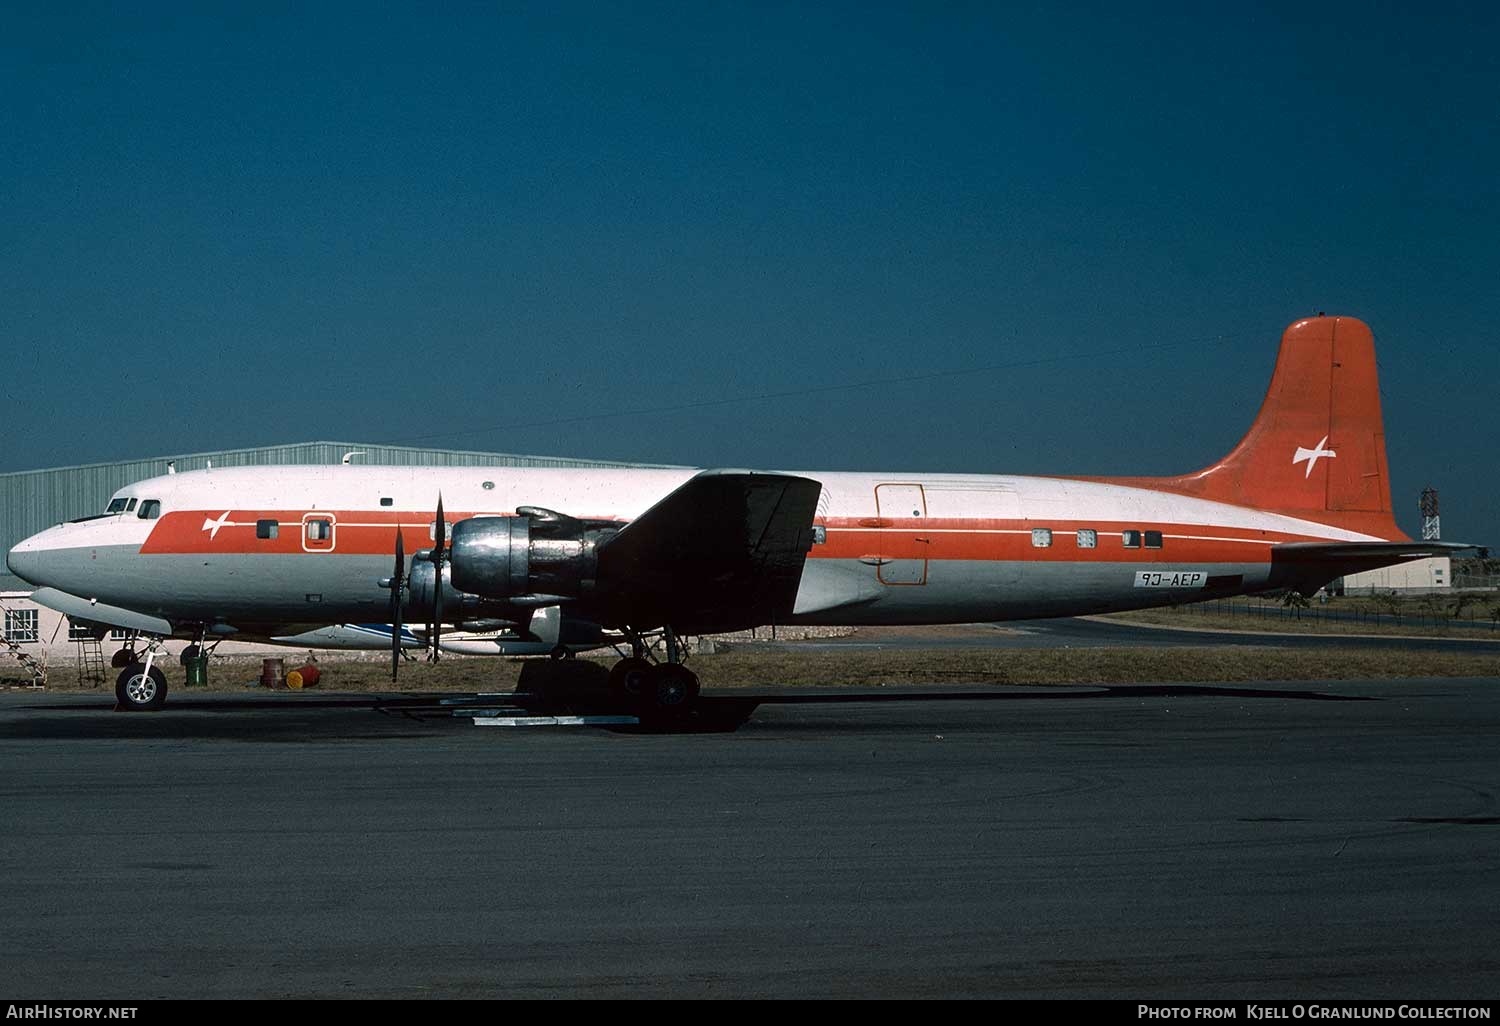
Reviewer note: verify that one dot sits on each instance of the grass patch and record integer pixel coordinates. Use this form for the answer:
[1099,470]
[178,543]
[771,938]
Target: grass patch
[1275,619]
[749,667]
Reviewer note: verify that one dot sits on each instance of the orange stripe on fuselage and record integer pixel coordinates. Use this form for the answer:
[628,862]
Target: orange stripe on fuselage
[1011,540]
[373,533]
[356,532]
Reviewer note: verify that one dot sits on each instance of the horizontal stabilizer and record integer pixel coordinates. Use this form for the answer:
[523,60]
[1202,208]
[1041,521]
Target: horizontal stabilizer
[1308,566]
[1383,553]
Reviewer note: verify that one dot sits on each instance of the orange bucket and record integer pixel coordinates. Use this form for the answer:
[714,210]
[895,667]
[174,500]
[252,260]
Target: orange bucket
[305,677]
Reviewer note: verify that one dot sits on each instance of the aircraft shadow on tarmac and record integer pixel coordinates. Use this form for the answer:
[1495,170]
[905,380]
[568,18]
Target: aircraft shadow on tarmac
[566,693]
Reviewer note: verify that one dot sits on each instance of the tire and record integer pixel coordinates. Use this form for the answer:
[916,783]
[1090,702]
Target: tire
[628,677]
[669,692]
[136,691]
[189,654]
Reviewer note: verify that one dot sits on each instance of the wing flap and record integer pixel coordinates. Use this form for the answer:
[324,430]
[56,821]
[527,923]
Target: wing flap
[723,552]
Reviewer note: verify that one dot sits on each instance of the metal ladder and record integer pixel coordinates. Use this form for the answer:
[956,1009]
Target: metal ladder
[33,666]
[90,663]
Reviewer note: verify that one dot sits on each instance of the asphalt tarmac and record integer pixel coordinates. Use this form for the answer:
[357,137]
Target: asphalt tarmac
[1091,632]
[1277,841]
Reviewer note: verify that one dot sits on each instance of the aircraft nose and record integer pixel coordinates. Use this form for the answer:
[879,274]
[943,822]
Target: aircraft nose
[26,558]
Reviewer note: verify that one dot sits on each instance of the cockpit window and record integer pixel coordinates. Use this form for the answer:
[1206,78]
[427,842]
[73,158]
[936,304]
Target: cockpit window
[129,506]
[150,509]
[116,505]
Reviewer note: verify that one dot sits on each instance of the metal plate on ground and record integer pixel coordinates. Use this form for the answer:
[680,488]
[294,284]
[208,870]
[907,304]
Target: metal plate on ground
[555,721]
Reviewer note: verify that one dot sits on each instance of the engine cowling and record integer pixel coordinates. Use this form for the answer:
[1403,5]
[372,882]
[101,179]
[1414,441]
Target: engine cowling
[534,553]
[458,606]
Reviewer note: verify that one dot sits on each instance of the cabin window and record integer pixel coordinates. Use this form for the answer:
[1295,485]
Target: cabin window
[317,532]
[386,500]
[21,626]
[1132,539]
[116,505]
[1153,539]
[266,528]
[150,509]
[1041,537]
[1088,538]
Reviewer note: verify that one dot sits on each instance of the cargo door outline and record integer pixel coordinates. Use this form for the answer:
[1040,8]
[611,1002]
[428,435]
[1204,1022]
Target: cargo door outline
[902,511]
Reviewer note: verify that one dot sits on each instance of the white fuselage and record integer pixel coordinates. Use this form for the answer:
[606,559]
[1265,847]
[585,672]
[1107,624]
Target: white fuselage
[255,547]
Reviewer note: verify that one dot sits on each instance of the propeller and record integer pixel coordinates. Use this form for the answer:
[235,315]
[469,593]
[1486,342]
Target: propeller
[440,537]
[398,580]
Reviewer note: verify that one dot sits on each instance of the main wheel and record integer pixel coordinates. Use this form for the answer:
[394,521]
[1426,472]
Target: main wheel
[137,690]
[627,678]
[669,691]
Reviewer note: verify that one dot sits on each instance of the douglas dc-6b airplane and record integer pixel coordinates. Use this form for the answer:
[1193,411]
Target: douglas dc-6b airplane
[254,552]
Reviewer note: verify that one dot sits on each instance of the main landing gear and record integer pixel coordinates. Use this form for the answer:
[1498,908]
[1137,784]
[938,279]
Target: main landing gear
[657,691]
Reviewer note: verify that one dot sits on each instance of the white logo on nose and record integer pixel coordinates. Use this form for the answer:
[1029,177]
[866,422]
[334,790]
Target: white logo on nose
[1311,456]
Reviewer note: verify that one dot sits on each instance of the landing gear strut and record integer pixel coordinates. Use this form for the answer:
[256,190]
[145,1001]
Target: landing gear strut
[658,691]
[142,686]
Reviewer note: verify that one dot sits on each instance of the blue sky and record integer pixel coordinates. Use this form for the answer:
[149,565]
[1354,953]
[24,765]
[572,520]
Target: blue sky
[460,225]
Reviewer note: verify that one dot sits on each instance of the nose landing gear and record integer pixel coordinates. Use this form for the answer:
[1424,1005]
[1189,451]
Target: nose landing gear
[141,688]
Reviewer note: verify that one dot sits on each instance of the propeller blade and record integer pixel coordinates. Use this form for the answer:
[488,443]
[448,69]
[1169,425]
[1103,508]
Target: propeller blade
[439,556]
[437,614]
[397,582]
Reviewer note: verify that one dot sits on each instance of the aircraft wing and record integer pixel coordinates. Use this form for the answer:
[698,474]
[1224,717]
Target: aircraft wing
[723,552]
[81,609]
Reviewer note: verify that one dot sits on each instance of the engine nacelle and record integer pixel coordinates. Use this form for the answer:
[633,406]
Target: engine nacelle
[458,606]
[537,552]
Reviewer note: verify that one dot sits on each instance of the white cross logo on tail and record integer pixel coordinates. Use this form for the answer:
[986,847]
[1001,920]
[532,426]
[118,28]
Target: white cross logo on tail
[1312,455]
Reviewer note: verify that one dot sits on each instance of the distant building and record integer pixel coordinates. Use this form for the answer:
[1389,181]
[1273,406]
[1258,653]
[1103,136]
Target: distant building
[1418,575]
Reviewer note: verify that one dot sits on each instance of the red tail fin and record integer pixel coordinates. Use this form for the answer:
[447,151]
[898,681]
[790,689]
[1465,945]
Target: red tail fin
[1317,447]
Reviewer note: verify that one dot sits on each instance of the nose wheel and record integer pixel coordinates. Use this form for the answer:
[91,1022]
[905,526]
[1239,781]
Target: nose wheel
[140,688]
